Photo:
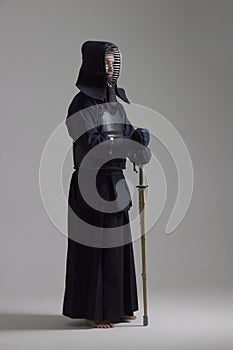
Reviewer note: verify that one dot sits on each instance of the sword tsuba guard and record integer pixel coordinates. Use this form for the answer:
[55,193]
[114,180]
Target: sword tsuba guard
[142,186]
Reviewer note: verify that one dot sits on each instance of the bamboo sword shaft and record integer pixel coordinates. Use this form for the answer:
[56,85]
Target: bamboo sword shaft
[142,206]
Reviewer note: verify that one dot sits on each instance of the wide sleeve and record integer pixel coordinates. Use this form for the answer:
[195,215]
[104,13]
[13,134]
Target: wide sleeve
[82,126]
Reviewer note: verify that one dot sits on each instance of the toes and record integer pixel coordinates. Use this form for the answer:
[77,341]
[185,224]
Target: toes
[100,324]
[128,317]
[107,324]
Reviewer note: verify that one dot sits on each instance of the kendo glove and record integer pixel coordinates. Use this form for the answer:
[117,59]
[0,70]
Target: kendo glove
[143,156]
[142,136]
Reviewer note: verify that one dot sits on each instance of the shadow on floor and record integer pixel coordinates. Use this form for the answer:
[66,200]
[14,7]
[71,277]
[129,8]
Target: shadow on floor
[13,321]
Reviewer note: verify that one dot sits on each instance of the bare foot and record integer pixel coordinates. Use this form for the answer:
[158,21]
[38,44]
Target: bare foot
[100,324]
[126,317]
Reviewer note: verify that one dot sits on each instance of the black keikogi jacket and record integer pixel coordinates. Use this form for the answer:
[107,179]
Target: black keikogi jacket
[87,106]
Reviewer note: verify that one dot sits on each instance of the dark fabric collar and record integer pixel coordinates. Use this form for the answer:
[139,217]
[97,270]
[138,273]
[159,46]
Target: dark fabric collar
[120,92]
[100,93]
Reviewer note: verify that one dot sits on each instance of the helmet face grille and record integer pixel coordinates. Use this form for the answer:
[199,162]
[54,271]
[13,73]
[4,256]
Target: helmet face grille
[113,50]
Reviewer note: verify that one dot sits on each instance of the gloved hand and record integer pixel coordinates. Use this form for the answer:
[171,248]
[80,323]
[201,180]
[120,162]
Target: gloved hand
[142,136]
[141,157]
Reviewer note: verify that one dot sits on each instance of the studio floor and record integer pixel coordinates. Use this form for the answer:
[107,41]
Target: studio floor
[177,320]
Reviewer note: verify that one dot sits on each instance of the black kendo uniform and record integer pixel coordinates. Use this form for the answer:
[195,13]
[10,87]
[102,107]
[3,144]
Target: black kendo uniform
[100,283]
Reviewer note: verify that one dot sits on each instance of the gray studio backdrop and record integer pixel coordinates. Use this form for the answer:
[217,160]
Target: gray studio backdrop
[177,60]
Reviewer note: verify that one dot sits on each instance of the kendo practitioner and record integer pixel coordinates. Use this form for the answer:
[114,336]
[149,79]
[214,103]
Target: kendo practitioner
[100,281]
